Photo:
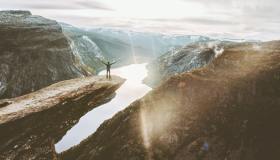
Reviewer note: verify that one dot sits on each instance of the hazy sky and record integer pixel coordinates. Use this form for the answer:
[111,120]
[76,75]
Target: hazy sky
[231,18]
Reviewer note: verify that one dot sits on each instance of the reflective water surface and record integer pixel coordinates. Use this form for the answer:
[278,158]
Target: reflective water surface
[131,90]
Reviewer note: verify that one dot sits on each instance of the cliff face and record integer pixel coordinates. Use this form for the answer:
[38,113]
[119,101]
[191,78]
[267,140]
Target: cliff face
[30,125]
[226,110]
[184,59]
[84,47]
[34,53]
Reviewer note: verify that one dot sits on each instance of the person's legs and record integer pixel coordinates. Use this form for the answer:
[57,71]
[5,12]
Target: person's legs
[109,74]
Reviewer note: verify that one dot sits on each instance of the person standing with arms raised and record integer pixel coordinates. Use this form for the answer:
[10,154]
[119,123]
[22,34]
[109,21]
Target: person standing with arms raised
[108,68]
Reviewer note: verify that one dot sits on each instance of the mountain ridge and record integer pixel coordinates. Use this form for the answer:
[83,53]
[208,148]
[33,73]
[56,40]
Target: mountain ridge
[230,105]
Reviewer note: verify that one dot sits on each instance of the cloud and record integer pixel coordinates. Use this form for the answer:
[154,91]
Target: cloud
[54,4]
[93,4]
[236,18]
[210,21]
[203,21]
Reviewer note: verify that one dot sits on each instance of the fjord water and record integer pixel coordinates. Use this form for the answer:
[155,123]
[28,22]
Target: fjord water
[130,91]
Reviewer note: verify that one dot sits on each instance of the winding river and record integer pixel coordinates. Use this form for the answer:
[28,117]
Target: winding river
[130,91]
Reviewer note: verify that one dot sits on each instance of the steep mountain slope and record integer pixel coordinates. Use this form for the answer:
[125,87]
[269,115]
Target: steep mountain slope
[228,109]
[84,48]
[34,53]
[155,44]
[125,46]
[184,59]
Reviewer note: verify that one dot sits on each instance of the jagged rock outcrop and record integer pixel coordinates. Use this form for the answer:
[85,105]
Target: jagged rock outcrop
[34,53]
[30,125]
[228,109]
[181,60]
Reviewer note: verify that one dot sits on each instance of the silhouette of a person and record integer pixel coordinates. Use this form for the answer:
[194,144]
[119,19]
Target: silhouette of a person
[108,68]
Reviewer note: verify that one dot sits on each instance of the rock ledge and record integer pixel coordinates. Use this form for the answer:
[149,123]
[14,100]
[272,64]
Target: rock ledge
[46,98]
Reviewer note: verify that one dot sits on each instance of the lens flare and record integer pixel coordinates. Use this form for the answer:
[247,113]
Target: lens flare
[144,130]
[157,123]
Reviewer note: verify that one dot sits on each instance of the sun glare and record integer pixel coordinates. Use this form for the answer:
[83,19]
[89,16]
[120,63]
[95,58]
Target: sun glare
[148,9]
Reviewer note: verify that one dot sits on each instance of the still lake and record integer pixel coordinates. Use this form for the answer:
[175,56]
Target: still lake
[131,90]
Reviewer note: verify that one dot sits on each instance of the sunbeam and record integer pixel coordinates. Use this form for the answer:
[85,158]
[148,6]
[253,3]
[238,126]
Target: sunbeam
[153,47]
[132,47]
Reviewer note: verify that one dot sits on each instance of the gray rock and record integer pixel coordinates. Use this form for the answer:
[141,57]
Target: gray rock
[34,53]
[179,60]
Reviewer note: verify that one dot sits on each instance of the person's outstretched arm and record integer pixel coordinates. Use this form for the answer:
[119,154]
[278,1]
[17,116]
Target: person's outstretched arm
[102,61]
[114,62]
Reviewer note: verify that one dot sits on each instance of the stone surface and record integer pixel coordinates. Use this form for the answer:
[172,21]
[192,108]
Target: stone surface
[227,110]
[34,53]
[184,59]
[30,125]
[85,48]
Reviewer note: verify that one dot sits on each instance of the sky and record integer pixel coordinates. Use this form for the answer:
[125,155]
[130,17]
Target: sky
[248,19]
